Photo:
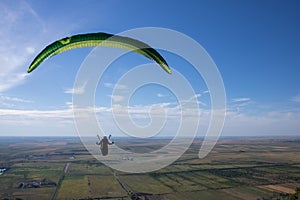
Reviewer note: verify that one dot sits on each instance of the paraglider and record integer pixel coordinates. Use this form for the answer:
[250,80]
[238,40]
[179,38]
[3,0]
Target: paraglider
[104,142]
[98,39]
[93,40]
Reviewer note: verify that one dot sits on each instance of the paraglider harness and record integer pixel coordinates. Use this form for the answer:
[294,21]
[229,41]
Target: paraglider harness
[104,142]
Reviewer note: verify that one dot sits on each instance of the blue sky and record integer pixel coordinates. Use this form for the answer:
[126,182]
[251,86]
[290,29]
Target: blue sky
[255,44]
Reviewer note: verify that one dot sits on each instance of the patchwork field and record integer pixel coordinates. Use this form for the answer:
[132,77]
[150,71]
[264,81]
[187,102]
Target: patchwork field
[237,168]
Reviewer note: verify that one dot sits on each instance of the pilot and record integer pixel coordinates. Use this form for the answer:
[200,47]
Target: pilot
[104,145]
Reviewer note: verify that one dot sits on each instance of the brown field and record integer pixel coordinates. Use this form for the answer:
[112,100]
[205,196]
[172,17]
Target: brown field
[279,188]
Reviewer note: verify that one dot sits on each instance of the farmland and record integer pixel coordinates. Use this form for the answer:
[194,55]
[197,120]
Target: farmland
[237,168]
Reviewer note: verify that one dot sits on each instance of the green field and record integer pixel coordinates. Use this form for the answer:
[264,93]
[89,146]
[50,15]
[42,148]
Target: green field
[237,168]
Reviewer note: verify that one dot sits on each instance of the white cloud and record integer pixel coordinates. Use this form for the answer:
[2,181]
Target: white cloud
[161,95]
[119,87]
[65,113]
[21,122]
[61,121]
[240,100]
[237,123]
[78,90]
[14,99]
[115,86]
[116,98]
[10,79]
[8,101]
[69,104]
[30,50]
[193,99]
[18,22]
[201,103]
[269,123]
[296,98]
[198,95]
[22,33]
[37,122]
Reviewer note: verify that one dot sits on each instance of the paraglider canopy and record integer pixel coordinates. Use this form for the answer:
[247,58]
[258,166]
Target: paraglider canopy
[98,39]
